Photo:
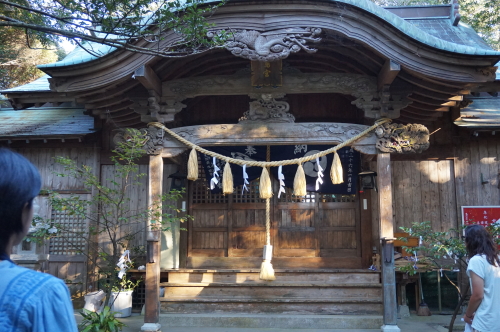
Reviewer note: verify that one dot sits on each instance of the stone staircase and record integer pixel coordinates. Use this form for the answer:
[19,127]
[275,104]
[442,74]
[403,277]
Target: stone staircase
[340,295]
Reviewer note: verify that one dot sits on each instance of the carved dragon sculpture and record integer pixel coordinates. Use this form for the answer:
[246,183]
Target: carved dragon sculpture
[399,138]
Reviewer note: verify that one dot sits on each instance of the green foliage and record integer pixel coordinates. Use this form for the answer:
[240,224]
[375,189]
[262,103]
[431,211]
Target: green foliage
[125,284]
[439,250]
[18,61]
[113,224]
[104,321]
[117,23]
[484,17]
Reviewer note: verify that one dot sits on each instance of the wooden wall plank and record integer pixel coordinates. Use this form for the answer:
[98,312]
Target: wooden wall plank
[425,186]
[494,173]
[416,194]
[475,176]
[447,195]
[485,177]
[434,204]
[398,188]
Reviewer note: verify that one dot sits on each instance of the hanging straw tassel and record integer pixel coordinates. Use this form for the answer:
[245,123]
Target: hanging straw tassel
[336,172]
[266,268]
[193,165]
[299,182]
[265,185]
[227,179]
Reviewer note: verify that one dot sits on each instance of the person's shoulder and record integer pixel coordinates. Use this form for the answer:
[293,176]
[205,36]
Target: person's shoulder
[31,279]
[477,260]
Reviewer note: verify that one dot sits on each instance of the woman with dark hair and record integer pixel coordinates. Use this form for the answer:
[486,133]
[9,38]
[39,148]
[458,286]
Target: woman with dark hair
[29,300]
[483,312]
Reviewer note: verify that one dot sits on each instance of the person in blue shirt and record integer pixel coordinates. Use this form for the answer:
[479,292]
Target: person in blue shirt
[30,301]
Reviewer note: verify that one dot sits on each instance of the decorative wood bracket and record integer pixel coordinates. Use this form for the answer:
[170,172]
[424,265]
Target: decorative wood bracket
[267,109]
[387,74]
[148,79]
[152,110]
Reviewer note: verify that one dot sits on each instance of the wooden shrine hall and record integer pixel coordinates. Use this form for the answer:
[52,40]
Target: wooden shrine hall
[296,78]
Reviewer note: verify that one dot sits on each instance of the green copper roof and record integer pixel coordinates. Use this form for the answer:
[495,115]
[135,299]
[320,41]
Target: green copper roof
[414,32]
[469,46]
[39,85]
[45,122]
[79,55]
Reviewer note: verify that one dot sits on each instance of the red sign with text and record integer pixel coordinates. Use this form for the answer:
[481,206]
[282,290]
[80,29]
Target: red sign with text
[482,215]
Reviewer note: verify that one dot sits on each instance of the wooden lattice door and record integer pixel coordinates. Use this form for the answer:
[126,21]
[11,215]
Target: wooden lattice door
[66,251]
[316,230]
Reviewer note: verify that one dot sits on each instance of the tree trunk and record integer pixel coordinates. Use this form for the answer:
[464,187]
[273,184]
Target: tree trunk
[455,313]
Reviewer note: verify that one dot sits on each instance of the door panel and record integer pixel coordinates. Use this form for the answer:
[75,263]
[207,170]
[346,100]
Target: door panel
[315,227]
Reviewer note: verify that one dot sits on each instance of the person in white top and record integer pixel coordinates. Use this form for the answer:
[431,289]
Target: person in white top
[483,311]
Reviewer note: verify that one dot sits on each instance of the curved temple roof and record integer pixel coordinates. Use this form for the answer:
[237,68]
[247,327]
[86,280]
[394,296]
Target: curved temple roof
[415,31]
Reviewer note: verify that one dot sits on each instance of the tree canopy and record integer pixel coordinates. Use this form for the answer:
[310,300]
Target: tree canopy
[137,25]
[18,60]
[131,25]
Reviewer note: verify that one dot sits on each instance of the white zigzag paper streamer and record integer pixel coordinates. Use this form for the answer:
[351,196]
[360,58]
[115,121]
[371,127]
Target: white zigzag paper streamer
[319,180]
[214,181]
[245,180]
[281,177]
[122,263]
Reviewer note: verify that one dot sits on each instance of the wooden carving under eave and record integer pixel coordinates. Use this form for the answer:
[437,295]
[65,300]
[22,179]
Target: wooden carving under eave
[267,109]
[153,138]
[399,138]
[271,45]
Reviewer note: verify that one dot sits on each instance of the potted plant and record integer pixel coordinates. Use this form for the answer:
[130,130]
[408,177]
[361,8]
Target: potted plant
[121,297]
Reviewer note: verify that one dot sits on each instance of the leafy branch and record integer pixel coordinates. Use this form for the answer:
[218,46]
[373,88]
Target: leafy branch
[112,223]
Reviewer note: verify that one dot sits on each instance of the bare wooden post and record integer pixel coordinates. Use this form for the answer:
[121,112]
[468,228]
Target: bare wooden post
[152,312]
[387,235]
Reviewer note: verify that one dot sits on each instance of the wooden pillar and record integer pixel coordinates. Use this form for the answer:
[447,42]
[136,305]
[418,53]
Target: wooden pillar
[387,235]
[152,310]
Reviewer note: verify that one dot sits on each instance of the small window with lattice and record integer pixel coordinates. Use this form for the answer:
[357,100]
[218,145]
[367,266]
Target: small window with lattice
[289,197]
[201,191]
[69,240]
[337,198]
[252,195]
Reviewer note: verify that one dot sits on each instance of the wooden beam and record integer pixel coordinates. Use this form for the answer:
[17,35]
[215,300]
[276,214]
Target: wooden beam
[155,180]
[387,234]
[148,78]
[449,103]
[387,74]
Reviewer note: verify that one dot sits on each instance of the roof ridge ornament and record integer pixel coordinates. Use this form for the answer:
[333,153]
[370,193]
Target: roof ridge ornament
[270,45]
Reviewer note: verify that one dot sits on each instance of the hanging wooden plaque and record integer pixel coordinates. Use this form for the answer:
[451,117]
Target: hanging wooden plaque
[266,73]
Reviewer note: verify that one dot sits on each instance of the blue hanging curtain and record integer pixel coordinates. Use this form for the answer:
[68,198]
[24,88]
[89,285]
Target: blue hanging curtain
[350,163]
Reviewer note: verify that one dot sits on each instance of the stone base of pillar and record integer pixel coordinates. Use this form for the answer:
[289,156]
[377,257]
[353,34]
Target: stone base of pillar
[390,328]
[151,327]
[403,311]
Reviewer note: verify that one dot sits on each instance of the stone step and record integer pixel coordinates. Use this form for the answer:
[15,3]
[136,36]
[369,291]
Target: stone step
[237,276]
[197,299]
[263,321]
[254,291]
[271,284]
